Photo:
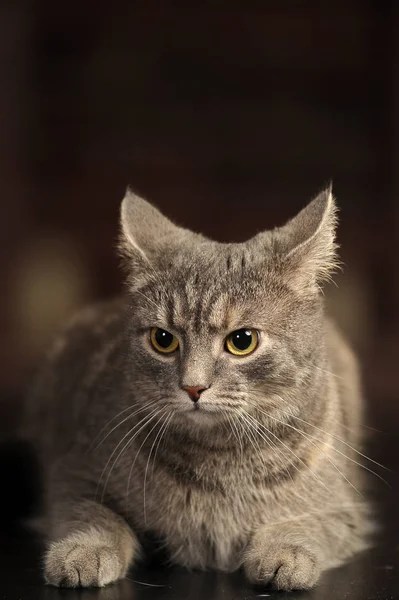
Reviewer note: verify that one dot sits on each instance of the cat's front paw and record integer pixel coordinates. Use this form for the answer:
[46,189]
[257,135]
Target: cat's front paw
[283,567]
[82,561]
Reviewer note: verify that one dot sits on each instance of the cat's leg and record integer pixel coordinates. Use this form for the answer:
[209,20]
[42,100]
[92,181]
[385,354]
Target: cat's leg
[291,555]
[89,545]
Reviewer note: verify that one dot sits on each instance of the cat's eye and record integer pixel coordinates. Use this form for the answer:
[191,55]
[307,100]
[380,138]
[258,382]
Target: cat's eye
[242,342]
[163,341]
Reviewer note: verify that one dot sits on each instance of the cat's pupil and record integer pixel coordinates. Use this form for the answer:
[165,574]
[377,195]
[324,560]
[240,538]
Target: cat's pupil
[163,338]
[242,339]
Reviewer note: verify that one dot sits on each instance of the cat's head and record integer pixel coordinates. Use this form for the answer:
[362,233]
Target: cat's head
[217,329]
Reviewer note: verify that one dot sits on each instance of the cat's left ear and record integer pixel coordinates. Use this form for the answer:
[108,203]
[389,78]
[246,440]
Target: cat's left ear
[306,244]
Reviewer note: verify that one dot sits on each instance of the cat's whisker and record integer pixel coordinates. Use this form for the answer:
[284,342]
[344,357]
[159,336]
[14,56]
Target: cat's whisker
[311,439]
[354,431]
[146,419]
[162,410]
[273,446]
[332,448]
[337,438]
[275,392]
[248,430]
[292,452]
[231,431]
[152,585]
[327,372]
[341,441]
[104,428]
[251,431]
[373,429]
[158,435]
[263,435]
[167,423]
[243,428]
[239,439]
[144,407]
[127,434]
[228,427]
[357,424]
[125,447]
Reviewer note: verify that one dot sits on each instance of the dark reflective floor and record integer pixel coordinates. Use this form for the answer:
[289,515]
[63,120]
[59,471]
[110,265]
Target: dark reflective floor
[370,576]
[374,575]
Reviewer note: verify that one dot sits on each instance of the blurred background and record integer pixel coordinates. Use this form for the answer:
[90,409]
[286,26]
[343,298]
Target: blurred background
[229,117]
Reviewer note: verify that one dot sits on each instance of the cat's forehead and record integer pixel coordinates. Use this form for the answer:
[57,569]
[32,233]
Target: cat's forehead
[214,293]
[206,310]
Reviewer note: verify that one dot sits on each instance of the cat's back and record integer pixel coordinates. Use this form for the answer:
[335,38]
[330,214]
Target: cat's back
[82,359]
[345,371]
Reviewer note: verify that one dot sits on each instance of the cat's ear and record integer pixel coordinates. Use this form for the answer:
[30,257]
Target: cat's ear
[306,244]
[145,231]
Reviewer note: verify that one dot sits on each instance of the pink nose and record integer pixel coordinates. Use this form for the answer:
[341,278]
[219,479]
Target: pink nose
[194,391]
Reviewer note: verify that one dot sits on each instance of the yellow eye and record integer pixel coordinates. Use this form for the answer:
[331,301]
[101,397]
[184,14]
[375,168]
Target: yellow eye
[242,342]
[163,341]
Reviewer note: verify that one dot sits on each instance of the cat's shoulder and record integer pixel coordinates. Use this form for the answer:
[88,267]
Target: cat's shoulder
[340,351]
[91,324]
[100,313]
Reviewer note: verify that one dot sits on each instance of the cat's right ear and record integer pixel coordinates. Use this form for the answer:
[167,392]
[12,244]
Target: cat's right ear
[145,231]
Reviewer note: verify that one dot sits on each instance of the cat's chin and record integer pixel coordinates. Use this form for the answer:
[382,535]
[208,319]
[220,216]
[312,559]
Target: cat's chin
[206,416]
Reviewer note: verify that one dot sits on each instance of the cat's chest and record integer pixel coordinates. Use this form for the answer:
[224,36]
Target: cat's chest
[205,522]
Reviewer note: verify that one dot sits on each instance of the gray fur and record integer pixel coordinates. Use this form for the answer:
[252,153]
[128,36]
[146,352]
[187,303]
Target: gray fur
[257,476]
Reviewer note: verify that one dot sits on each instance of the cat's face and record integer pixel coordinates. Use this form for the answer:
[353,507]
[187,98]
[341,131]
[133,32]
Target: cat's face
[220,329]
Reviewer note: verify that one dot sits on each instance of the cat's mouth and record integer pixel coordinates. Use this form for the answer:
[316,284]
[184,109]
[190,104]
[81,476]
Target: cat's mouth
[206,413]
[202,408]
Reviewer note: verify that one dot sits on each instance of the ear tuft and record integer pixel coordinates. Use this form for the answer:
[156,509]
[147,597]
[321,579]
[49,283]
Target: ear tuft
[307,242]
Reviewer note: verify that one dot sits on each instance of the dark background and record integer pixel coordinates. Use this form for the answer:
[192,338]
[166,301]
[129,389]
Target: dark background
[229,117]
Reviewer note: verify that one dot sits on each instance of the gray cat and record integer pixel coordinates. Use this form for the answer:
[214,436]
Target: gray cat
[215,407]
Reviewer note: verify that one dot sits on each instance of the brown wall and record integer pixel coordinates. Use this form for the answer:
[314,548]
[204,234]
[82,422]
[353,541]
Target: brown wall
[228,118]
